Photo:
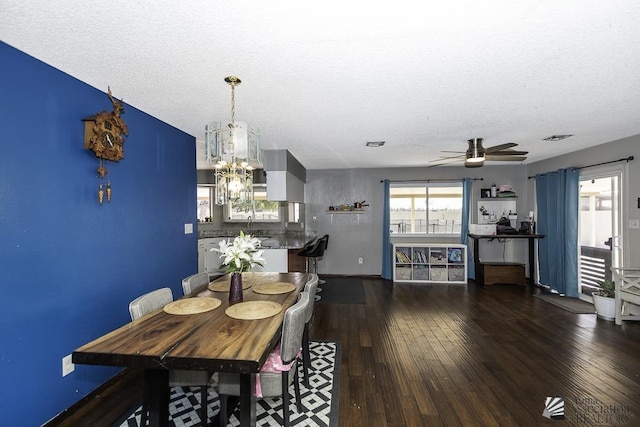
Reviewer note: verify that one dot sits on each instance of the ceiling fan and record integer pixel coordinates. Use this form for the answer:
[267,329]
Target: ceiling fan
[476,154]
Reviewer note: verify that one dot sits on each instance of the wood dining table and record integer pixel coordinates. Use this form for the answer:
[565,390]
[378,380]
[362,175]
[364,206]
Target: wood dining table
[210,341]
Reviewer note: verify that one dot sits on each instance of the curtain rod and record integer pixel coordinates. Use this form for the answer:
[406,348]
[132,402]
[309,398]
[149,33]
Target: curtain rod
[432,180]
[625,159]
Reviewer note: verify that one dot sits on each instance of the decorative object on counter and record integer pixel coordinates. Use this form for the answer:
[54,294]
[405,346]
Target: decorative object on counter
[103,134]
[494,190]
[241,254]
[234,149]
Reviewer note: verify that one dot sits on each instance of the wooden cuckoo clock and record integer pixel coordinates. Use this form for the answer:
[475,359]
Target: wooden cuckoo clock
[104,135]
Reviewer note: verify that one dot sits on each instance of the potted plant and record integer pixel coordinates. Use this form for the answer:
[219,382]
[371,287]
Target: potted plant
[604,299]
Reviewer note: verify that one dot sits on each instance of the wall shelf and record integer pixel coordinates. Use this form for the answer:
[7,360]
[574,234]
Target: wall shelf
[354,219]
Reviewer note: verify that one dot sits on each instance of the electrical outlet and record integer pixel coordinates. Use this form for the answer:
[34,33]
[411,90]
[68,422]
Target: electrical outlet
[188,228]
[359,260]
[67,365]
[634,224]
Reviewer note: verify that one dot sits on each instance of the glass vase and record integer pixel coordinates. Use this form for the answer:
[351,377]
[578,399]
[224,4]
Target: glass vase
[235,288]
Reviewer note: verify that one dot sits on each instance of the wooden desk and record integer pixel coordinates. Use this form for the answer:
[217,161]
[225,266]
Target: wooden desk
[531,250]
[209,341]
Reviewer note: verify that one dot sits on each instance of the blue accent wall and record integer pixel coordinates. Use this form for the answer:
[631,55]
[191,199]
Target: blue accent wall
[69,267]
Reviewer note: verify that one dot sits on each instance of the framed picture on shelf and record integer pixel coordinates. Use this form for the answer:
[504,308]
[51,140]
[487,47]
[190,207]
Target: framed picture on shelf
[485,193]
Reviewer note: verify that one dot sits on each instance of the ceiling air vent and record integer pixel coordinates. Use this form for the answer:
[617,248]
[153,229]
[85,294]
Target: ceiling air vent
[556,137]
[375,143]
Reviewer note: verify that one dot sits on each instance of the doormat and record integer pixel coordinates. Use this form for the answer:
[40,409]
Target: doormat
[573,305]
[341,290]
[319,403]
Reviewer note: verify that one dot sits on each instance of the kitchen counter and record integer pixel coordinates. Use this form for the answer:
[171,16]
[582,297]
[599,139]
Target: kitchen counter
[270,242]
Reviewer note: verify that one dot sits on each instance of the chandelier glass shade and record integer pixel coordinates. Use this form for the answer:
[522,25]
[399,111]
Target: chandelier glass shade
[475,153]
[234,151]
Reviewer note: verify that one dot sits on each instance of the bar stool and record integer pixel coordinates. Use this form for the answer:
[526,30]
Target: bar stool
[312,253]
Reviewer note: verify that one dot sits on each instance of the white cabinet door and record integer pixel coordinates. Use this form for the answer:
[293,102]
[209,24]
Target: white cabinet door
[275,261]
[212,261]
[201,250]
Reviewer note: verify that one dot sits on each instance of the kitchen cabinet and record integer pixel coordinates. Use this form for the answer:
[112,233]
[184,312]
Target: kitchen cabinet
[201,249]
[275,261]
[430,262]
[211,262]
[296,262]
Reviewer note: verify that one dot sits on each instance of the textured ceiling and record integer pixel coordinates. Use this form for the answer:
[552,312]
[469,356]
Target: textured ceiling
[322,78]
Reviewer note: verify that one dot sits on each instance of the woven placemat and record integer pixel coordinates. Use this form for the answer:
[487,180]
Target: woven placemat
[274,288]
[192,305]
[253,310]
[223,286]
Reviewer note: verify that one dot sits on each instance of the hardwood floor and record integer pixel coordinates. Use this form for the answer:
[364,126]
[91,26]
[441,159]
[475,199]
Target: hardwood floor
[460,355]
[418,355]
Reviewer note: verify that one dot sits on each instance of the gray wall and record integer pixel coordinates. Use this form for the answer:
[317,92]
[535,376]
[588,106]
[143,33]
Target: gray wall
[353,236]
[631,186]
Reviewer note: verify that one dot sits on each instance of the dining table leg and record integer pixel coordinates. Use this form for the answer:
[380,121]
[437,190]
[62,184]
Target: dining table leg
[157,383]
[247,400]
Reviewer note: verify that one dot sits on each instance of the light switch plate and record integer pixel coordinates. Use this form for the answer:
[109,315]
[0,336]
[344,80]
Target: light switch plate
[188,228]
[634,224]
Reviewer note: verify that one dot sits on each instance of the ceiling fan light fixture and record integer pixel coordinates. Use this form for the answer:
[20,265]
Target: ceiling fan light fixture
[475,153]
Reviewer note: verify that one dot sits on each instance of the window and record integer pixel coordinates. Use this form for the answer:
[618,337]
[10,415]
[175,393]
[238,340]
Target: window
[426,208]
[204,202]
[263,210]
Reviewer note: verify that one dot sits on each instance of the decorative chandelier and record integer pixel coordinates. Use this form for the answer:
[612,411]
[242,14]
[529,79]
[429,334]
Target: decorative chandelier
[233,149]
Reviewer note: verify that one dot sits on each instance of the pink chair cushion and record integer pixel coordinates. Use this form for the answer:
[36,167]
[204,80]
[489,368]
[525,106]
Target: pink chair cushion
[274,365]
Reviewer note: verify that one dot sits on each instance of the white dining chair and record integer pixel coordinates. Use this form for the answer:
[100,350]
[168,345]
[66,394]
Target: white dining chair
[274,379]
[195,282]
[627,280]
[146,304]
[310,287]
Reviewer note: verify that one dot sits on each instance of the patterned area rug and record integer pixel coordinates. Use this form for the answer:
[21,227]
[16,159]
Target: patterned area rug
[320,402]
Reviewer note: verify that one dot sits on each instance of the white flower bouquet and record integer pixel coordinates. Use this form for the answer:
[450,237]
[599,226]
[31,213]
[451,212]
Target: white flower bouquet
[241,254]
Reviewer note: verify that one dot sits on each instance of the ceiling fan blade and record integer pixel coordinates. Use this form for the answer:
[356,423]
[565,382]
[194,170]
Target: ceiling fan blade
[460,157]
[492,158]
[509,153]
[447,161]
[445,151]
[500,147]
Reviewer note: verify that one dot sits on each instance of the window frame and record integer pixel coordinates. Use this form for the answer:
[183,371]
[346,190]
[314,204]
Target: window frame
[426,186]
[260,196]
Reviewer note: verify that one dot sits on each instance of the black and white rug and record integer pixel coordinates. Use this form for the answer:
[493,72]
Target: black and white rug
[320,402]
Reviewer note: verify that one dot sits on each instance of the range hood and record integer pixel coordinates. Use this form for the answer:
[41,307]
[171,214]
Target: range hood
[285,176]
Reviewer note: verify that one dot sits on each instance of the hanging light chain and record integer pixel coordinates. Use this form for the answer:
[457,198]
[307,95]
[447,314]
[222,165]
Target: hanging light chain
[233,81]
